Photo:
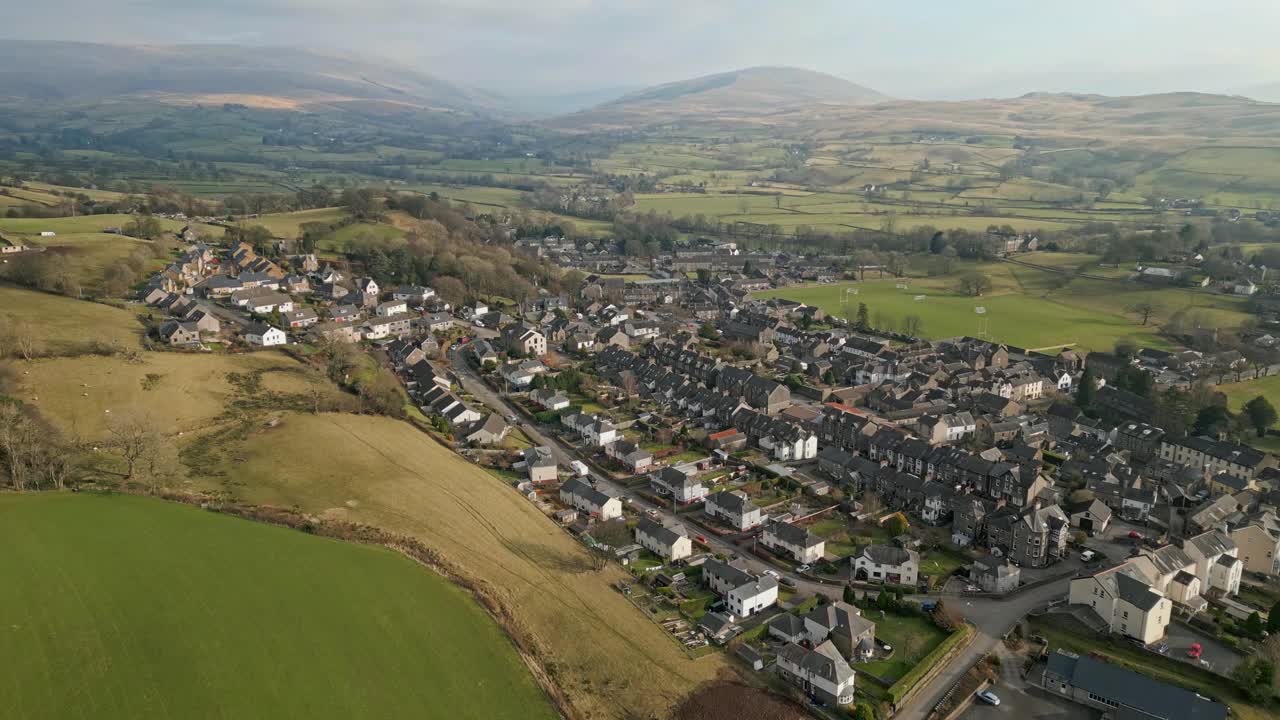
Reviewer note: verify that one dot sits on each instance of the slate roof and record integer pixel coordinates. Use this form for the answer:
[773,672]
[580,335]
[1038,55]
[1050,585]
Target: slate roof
[887,554]
[1134,691]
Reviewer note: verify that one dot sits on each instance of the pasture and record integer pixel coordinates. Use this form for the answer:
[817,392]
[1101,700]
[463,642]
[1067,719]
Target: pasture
[608,659]
[288,225]
[1026,306]
[1011,317]
[132,608]
[61,324]
[179,392]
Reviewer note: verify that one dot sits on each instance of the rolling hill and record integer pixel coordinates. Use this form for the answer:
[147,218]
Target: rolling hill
[268,77]
[739,94]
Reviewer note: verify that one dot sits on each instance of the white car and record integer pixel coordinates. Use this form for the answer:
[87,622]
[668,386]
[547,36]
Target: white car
[988,697]
[804,568]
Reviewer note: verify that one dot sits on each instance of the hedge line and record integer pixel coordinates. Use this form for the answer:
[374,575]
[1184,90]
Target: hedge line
[904,685]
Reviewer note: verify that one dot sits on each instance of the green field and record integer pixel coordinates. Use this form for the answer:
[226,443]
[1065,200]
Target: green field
[287,224]
[125,607]
[1014,318]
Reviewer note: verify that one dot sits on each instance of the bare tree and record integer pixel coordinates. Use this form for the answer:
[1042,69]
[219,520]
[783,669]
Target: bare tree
[1144,309]
[871,502]
[17,441]
[138,444]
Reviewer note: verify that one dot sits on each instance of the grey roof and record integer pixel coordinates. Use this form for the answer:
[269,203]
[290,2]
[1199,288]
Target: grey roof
[1134,691]
[1211,543]
[734,500]
[794,535]
[887,554]
[1170,559]
[824,661]
[787,624]
[585,491]
[1136,593]
[661,533]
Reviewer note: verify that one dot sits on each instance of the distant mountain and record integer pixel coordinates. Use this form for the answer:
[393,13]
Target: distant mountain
[258,76]
[753,92]
[1270,92]
[561,103]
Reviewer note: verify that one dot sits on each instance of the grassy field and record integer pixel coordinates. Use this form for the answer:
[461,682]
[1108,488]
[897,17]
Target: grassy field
[180,392]
[62,323]
[1018,319]
[126,607]
[1240,393]
[609,659]
[1026,307]
[287,225]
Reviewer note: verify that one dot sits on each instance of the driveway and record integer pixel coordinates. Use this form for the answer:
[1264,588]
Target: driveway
[1179,637]
[1019,699]
[1017,704]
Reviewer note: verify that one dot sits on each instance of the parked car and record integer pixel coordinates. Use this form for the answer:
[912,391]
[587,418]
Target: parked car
[1088,555]
[1135,535]
[988,697]
[1195,651]
[804,568]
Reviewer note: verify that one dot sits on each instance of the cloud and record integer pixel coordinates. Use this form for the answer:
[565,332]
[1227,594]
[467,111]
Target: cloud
[926,48]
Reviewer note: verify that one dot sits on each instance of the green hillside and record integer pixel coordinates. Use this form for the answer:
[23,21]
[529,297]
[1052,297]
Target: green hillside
[125,607]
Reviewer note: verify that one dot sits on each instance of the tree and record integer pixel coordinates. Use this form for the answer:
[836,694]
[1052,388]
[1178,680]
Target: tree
[1255,676]
[913,325]
[896,525]
[1143,309]
[1253,625]
[849,595]
[148,455]
[1261,414]
[1087,391]
[708,331]
[863,319]
[864,711]
[1273,618]
[1212,421]
[974,284]
[871,502]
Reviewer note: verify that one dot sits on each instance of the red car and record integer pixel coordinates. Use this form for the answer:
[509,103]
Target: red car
[702,539]
[1135,535]
[1194,651]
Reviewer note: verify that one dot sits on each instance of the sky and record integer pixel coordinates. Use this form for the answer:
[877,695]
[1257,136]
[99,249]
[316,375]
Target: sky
[928,49]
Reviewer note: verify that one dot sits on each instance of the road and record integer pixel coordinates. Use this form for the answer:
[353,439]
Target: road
[992,618]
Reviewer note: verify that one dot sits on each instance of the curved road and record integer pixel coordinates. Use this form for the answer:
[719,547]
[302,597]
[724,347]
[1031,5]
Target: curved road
[993,618]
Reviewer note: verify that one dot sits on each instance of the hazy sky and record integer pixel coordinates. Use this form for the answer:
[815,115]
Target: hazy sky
[927,48]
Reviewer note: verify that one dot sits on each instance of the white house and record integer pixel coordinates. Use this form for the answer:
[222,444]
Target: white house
[540,464]
[666,543]
[391,307]
[821,672]
[264,335]
[886,563]
[734,508]
[680,484]
[579,494]
[1217,564]
[417,294]
[793,541]
[550,399]
[599,432]
[1127,600]
[744,594]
